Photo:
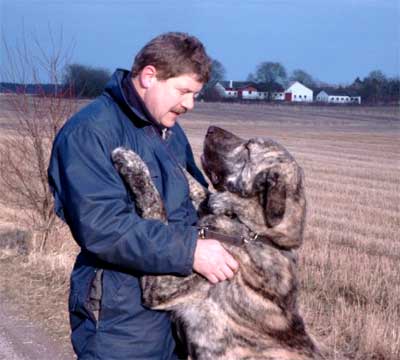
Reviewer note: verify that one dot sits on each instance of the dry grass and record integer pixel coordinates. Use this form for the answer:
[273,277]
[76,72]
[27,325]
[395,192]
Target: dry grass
[349,263]
[36,283]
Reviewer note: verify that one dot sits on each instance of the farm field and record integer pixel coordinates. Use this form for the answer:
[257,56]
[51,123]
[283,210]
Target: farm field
[349,263]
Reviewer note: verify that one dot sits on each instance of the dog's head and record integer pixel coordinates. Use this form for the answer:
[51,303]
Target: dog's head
[259,168]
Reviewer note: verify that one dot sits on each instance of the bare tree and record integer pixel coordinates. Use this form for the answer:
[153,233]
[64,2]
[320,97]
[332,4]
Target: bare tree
[36,106]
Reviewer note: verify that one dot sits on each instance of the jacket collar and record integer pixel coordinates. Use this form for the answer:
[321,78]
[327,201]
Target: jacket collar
[126,96]
[136,102]
[114,88]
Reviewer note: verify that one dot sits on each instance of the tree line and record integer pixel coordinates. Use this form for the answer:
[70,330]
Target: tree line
[376,88]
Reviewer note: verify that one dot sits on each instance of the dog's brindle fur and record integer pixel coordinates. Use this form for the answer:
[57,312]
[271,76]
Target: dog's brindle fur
[259,191]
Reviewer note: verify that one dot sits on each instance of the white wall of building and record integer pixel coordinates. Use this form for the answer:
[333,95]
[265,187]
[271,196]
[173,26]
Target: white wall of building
[231,94]
[254,95]
[278,96]
[339,99]
[355,99]
[323,96]
[300,93]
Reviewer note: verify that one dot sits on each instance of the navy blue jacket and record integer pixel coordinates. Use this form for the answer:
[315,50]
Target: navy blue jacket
[93,200]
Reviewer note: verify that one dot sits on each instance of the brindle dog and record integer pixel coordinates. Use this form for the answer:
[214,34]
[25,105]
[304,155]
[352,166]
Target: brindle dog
[259,212]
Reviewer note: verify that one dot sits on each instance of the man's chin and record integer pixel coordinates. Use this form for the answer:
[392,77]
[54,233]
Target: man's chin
[169,119]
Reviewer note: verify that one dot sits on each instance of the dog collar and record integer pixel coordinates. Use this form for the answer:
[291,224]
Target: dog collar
[206,233]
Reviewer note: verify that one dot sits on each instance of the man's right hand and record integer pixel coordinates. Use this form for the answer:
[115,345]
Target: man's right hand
[213,262]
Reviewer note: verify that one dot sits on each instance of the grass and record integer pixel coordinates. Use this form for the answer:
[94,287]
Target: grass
[349,263]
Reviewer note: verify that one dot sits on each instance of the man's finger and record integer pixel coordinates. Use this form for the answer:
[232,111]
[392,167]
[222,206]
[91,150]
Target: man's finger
[219,274]
[231,262]
[229,274]
[212,279]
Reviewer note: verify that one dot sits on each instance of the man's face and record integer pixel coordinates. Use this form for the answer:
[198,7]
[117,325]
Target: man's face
[167,99]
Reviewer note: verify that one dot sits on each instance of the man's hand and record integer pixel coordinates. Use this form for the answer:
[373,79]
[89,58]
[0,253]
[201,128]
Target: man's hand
[213,262]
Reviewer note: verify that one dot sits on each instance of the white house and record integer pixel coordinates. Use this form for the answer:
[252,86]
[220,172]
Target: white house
[335,97]
[241,90]
[226,90]
[297,92]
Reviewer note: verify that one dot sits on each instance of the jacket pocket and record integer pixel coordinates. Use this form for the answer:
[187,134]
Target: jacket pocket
[82,320]
[79,298]
[120,290]
[93,302]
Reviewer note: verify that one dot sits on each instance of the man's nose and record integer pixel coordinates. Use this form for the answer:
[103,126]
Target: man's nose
[188,102]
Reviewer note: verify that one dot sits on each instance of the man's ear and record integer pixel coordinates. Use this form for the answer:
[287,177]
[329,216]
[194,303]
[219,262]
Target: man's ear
[272,195]
[147,76]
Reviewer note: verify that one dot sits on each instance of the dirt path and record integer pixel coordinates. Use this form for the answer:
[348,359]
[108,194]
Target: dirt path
[20,339]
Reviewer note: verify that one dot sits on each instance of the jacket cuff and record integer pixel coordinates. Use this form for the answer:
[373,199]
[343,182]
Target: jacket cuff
[188,267]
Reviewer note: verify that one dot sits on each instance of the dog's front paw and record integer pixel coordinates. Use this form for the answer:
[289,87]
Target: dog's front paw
[127,162]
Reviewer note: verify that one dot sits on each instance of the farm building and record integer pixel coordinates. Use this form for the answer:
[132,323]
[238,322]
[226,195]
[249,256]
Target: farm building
[249,91]
[337,97]
[297,92]
[241,90]
[226,89]
[278,96]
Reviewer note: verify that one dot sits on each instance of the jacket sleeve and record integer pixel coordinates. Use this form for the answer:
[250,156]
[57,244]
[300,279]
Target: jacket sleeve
[96,206]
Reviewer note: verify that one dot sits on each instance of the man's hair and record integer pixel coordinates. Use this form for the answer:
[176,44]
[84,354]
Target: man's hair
[174,54]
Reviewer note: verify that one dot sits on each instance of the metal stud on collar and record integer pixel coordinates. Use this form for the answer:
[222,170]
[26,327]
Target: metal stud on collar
[202,233]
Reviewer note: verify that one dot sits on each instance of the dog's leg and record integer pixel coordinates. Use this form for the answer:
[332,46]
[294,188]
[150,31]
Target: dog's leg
[158,292]
[136,174]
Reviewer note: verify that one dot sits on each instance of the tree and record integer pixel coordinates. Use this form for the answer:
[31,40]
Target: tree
[218,71]
[374,87]
[394,89]
[209,92]
[303,77]
[377,76]
[272,75]
[270,72]
[38,106]
[251,78]
[86,81]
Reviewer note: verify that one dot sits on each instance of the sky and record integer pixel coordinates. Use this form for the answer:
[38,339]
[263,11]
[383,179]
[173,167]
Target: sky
[334,41]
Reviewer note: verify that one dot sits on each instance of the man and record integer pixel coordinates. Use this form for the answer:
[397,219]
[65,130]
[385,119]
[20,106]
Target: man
[138,110]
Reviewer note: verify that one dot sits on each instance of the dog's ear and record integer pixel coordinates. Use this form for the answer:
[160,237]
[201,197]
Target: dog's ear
[271,187]
[281,194]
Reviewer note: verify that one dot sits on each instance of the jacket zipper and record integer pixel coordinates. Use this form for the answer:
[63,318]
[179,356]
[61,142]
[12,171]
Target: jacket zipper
[171,155]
